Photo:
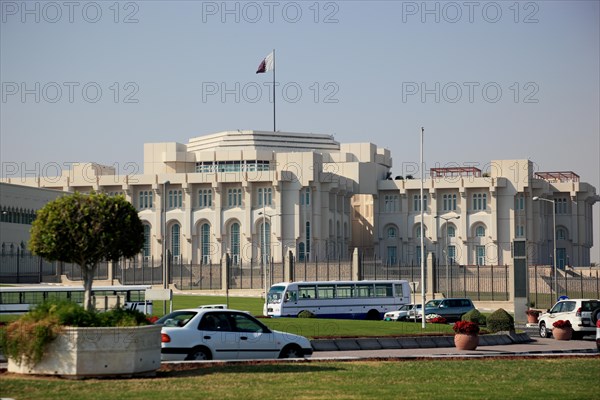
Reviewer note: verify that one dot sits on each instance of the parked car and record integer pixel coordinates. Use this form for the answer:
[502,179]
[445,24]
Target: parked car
[401,314]
[220,306]
[222,334]
[451,309]
[598,334]
[582,313]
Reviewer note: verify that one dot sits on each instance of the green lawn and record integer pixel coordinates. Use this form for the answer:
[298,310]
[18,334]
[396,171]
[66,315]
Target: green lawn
[551,378]
[309,327]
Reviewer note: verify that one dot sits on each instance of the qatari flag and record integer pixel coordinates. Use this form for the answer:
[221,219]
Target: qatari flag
[266,64]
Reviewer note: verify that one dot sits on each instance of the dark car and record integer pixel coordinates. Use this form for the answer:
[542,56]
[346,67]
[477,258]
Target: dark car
[451,309]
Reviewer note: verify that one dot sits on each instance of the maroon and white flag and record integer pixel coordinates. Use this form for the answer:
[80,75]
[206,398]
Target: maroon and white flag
[266,64]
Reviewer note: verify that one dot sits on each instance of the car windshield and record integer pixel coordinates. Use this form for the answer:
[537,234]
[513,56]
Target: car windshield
[433,303]
[176,318]
[405,308]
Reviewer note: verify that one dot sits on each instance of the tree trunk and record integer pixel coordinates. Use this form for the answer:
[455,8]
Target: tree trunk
[87,273]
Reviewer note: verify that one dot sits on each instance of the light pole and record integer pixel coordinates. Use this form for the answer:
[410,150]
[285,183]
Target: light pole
[536,198]
[446,249]
[164,244]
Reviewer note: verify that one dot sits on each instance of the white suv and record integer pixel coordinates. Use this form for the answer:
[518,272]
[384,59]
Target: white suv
[582,313]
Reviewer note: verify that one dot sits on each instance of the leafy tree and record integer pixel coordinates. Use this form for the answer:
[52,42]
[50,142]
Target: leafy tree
[86,229]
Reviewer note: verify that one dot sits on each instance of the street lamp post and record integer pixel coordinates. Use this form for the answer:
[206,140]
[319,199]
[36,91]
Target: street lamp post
[536,198]
[164,244]
[446,219]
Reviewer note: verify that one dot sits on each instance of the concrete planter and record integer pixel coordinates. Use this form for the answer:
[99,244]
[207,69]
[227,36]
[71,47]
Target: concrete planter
[88,352]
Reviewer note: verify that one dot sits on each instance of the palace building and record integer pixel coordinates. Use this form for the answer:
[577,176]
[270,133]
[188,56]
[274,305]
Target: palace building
[255,194]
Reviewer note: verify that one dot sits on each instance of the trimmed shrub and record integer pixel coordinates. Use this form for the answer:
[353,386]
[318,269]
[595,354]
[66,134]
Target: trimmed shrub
[474,316]
[306,314]
[500,320]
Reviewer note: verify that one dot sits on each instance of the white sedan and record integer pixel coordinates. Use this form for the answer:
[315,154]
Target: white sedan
[215,334]
[401,314]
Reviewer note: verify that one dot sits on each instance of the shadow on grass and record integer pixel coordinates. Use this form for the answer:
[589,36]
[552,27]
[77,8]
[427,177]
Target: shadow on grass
[187,369]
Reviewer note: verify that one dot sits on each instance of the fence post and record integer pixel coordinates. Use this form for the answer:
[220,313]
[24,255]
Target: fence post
[465,280]
[492,270]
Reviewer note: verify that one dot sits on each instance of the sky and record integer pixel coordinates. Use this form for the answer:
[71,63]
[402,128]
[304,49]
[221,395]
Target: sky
[95,80]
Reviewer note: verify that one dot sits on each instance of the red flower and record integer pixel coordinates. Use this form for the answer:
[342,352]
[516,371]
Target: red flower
[562,324]
[152,319]
[437,320]
[466,327]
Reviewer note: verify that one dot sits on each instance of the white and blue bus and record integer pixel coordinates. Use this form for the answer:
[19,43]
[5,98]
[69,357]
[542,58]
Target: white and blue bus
[20,299]
[367,299]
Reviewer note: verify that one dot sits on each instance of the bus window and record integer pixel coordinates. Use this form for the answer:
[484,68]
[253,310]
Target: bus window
[398,288]
[344,291]
[326,291]
[364,290]
[383,290]
[306,292]
[291,295]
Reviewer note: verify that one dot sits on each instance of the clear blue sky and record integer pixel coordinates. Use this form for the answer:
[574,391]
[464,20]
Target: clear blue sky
[487,80]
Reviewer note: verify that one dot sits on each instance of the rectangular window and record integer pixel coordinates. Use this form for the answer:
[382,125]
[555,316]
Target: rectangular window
[480,255]
[399,290]
[391,203]
[234,197]
[205,198]
[265,196]
[326,291]
[383,290]
[560,206]
[452,254]
[449,202]
[307,292]
[479,201]
[416,203]
[392,255]
[364,290]
[344,291]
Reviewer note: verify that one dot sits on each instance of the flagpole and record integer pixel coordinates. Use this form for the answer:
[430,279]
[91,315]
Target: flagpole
[422,237]
[274,125]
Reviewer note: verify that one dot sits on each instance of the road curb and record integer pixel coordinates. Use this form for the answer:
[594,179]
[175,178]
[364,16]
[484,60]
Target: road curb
[413,342]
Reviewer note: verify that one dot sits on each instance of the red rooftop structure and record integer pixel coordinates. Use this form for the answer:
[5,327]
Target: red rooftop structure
[560,176]
[454,172]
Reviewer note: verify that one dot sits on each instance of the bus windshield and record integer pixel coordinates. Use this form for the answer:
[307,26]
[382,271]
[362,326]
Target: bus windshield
[275,294]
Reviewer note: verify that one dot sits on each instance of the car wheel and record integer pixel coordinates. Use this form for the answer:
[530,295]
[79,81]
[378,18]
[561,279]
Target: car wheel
[595,316]
[199,354]
[291,351]
[544,333]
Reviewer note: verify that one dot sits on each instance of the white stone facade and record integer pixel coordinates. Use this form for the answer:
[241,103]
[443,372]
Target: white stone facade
[322,199]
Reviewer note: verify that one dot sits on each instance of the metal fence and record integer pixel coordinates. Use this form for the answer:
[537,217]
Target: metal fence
[483,283]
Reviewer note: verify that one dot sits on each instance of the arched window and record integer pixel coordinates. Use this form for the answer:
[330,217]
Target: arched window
[391,232]
[235,242]
[480,231]
[265,240]
[561,234]
[418,231]
[147,246]
[175,243]
[205,243]
[451,231]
